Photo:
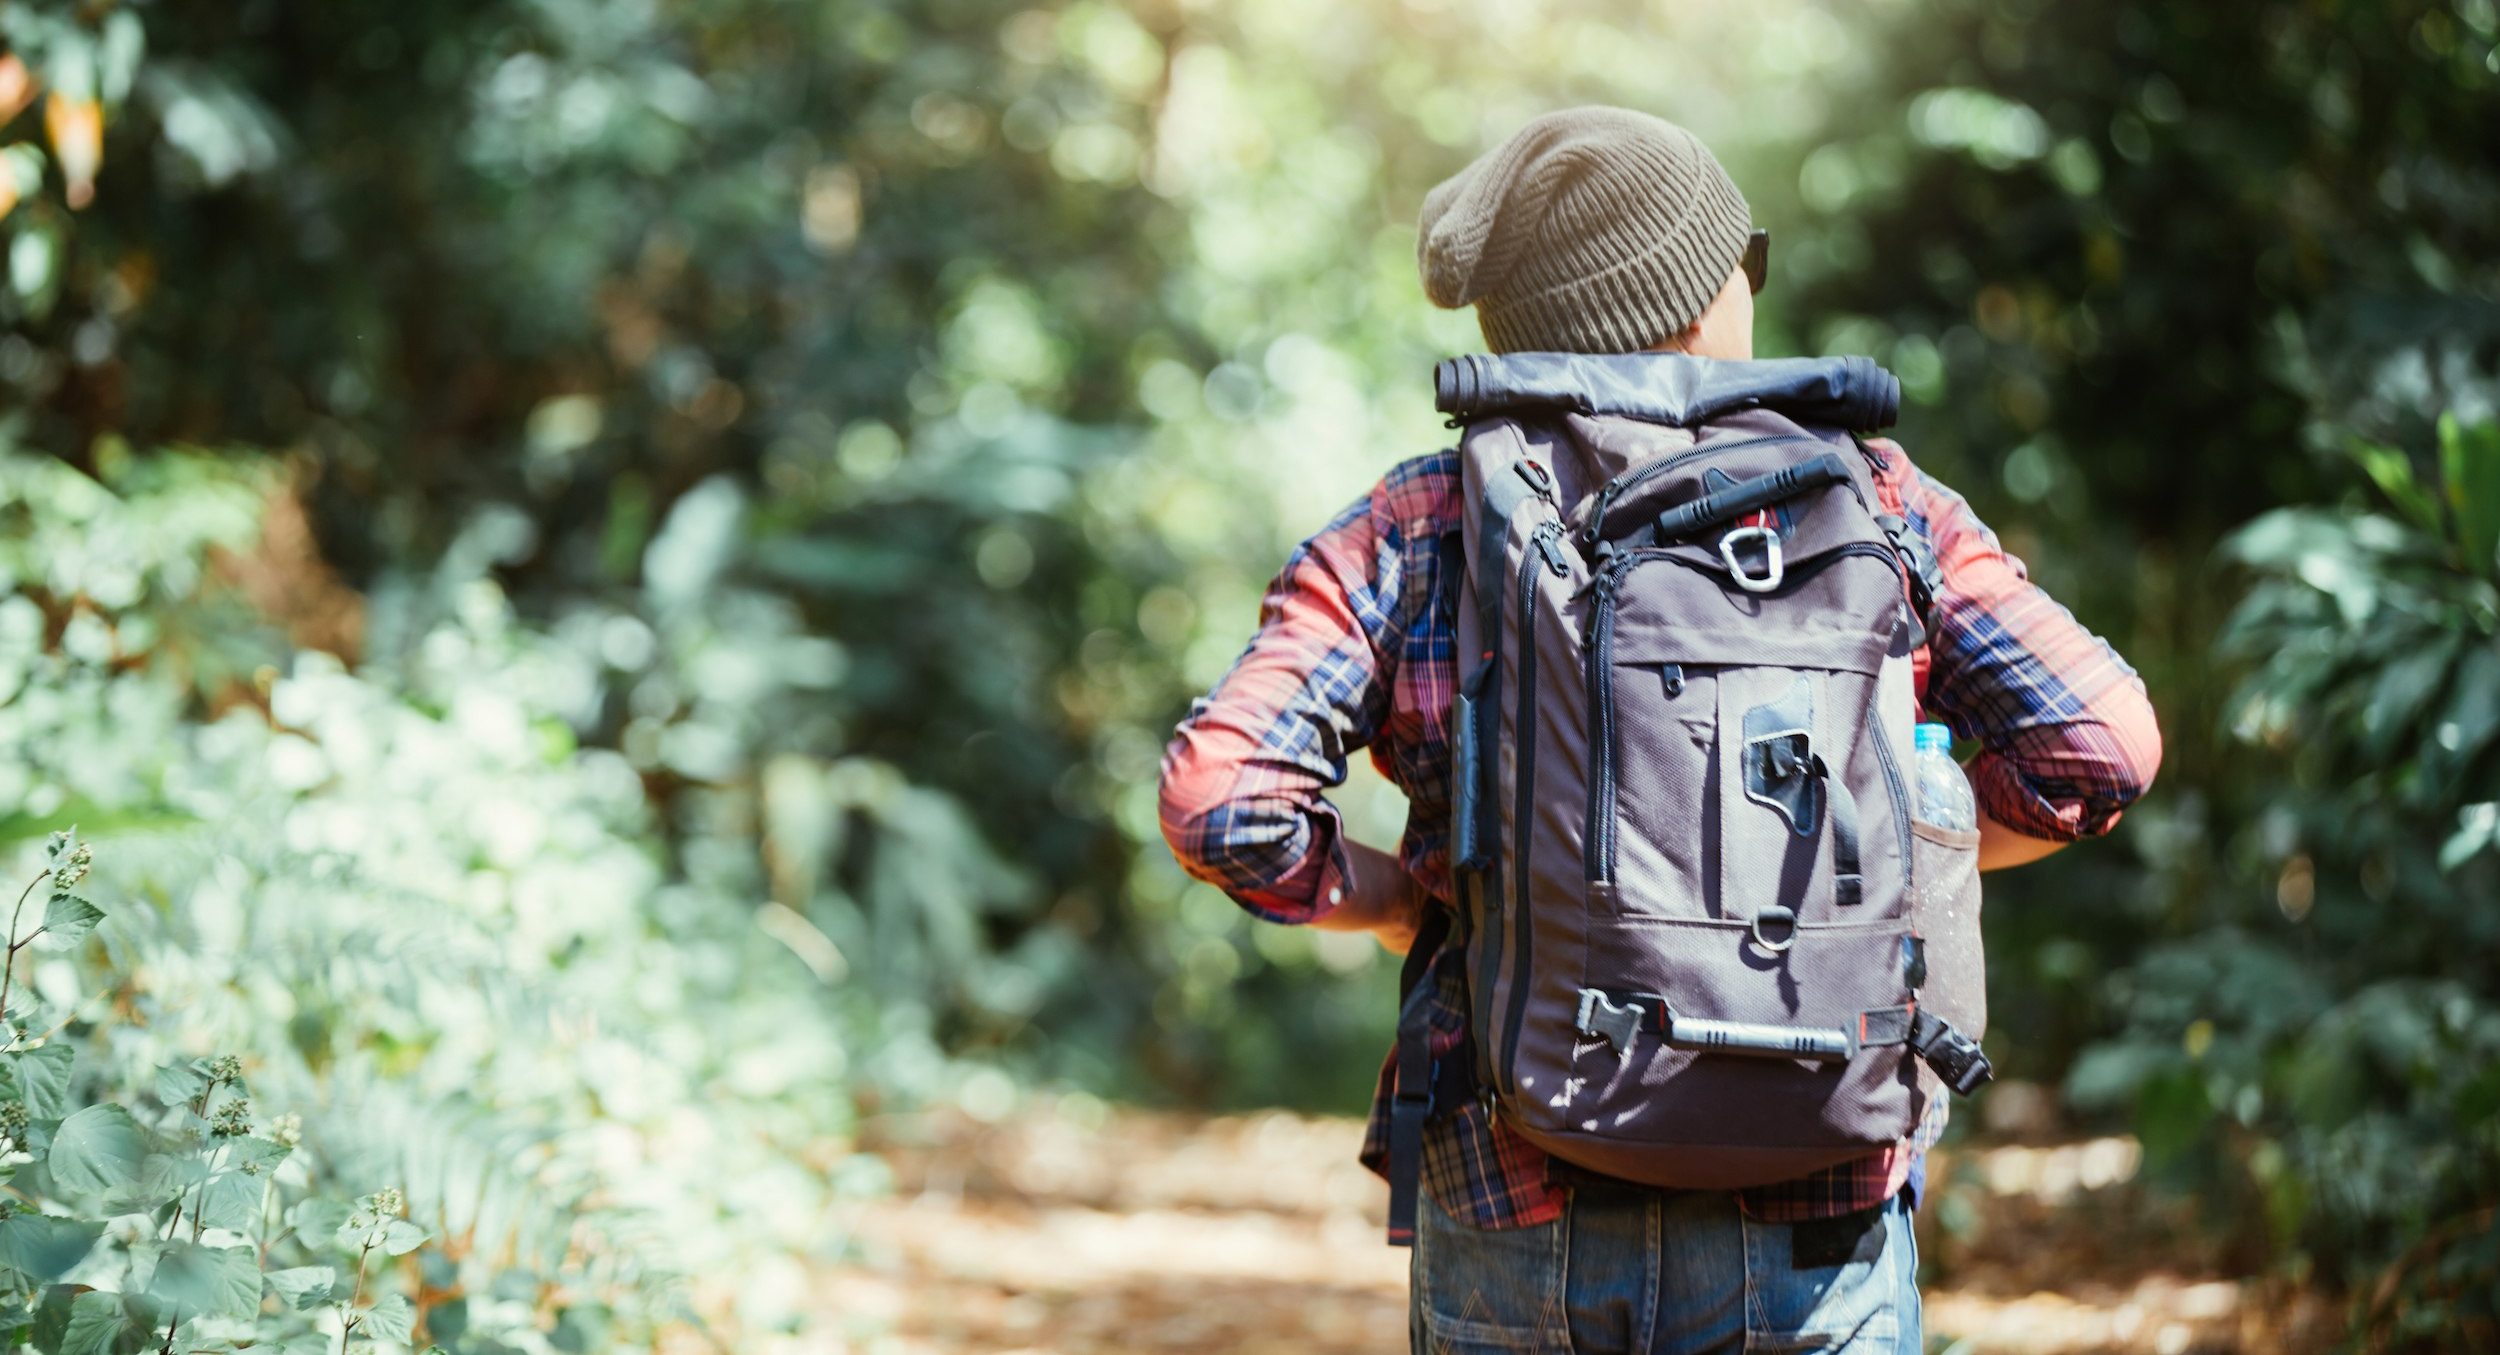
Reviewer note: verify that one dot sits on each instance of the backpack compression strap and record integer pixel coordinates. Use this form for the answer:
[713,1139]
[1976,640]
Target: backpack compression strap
[1619,1018]
[1413,1100]
[1415,1071]
[1474,715]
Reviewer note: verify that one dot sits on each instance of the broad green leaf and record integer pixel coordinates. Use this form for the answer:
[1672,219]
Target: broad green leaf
[2473,715]
[96,1324]
[394,1318]
[179,1084]
[166,1176]
[233,1200]
[52,1317]
[98,1150]
[41,1076]
[117,54]
[43,1247]
[400,1237]
[68,919]
[2478,826]
[203,1281]
[2469,459]
[252,1152]
[2392,471]
[2406,685]
[303,1288]
[317,1222]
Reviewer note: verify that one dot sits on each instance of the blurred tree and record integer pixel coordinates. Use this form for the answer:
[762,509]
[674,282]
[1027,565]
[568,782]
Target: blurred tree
[1004,345]
[581,259]
[2147,271]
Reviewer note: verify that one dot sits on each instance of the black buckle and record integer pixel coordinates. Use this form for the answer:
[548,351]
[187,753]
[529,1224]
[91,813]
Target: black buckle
[1955,1057]
[1918,565]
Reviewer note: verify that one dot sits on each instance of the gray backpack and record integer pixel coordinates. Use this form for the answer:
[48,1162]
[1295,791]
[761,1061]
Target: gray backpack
[1682,833]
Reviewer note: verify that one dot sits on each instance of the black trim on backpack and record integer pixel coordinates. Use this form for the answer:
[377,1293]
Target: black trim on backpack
[1918,557]
[1412,1100]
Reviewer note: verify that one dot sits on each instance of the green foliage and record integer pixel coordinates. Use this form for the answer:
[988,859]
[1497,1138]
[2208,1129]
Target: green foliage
[795,460]
[439,937]
[2147,272]
[991,354]
[148,1208]
[2352,1061]
[2373,1071]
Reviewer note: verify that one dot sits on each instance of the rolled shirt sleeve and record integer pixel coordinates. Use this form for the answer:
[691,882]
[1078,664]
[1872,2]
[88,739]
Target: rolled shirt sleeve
[2067,734]
[1244,785]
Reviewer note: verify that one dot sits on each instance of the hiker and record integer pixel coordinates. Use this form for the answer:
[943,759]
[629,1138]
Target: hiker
[1691,979]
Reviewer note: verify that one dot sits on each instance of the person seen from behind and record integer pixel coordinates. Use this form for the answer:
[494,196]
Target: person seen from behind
[1692,961]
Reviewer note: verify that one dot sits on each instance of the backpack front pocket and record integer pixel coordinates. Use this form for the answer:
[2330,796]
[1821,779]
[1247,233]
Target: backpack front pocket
[1661,728]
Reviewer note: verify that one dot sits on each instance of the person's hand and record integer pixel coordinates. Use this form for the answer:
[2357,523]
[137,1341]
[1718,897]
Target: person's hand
[2002,848]
[1379,898]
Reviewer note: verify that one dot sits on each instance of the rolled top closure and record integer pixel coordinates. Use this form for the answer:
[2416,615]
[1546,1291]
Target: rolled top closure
[1670,388]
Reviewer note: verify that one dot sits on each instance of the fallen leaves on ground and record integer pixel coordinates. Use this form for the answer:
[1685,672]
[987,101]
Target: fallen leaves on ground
[1088,1230]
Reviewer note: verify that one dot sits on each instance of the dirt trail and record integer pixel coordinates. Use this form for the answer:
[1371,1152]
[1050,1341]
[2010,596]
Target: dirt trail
[1087,1231]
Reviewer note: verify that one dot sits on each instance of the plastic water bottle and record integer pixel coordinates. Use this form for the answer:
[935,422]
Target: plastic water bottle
[1944,796]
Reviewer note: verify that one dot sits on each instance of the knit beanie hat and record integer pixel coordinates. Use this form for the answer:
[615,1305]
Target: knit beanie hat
[1594,230]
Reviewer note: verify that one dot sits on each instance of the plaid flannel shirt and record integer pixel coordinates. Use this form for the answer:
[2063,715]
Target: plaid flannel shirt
[1351,653]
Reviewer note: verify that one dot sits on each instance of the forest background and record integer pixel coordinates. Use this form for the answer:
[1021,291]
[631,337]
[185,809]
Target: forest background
[607,581]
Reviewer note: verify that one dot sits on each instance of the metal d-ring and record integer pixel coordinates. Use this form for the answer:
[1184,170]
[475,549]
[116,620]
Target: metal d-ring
[1774,568]
[1778,914]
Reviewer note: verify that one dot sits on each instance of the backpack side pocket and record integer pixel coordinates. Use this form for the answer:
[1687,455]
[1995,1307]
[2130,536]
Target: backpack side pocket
[1947,916]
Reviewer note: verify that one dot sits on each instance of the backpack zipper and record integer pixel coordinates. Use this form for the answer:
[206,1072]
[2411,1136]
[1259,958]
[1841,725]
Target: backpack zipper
[1632,479]
[1544,545]
[1797,574]
[1898,787]
[1598,839]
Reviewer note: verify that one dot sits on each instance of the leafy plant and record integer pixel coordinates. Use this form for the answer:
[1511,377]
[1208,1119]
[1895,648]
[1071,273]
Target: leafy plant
[2338,1056]
[156,1217]
[426,922]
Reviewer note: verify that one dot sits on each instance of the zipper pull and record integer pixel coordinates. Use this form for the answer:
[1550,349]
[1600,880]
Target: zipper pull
[1539,479]
[1607,580]
[1548,542]
[1597,517]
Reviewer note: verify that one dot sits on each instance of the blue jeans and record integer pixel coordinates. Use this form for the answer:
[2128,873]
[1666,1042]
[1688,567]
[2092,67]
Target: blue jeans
[1660,1273]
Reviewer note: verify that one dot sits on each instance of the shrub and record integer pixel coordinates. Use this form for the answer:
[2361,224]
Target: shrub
[2336,1049]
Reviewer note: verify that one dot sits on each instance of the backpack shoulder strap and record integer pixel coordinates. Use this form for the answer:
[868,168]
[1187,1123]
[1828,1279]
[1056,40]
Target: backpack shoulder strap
[1918,555]
[1504,491]
[1424,1084]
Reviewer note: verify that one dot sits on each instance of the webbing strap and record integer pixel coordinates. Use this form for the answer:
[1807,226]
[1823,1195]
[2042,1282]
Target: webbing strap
[1411,1102]
[1504,491]
[1919,564]
[1848,884]
[1885,1026]
[1445,587]
[1473,816]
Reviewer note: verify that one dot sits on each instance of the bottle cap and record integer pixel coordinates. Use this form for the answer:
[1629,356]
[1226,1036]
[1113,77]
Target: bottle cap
[1935,738]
